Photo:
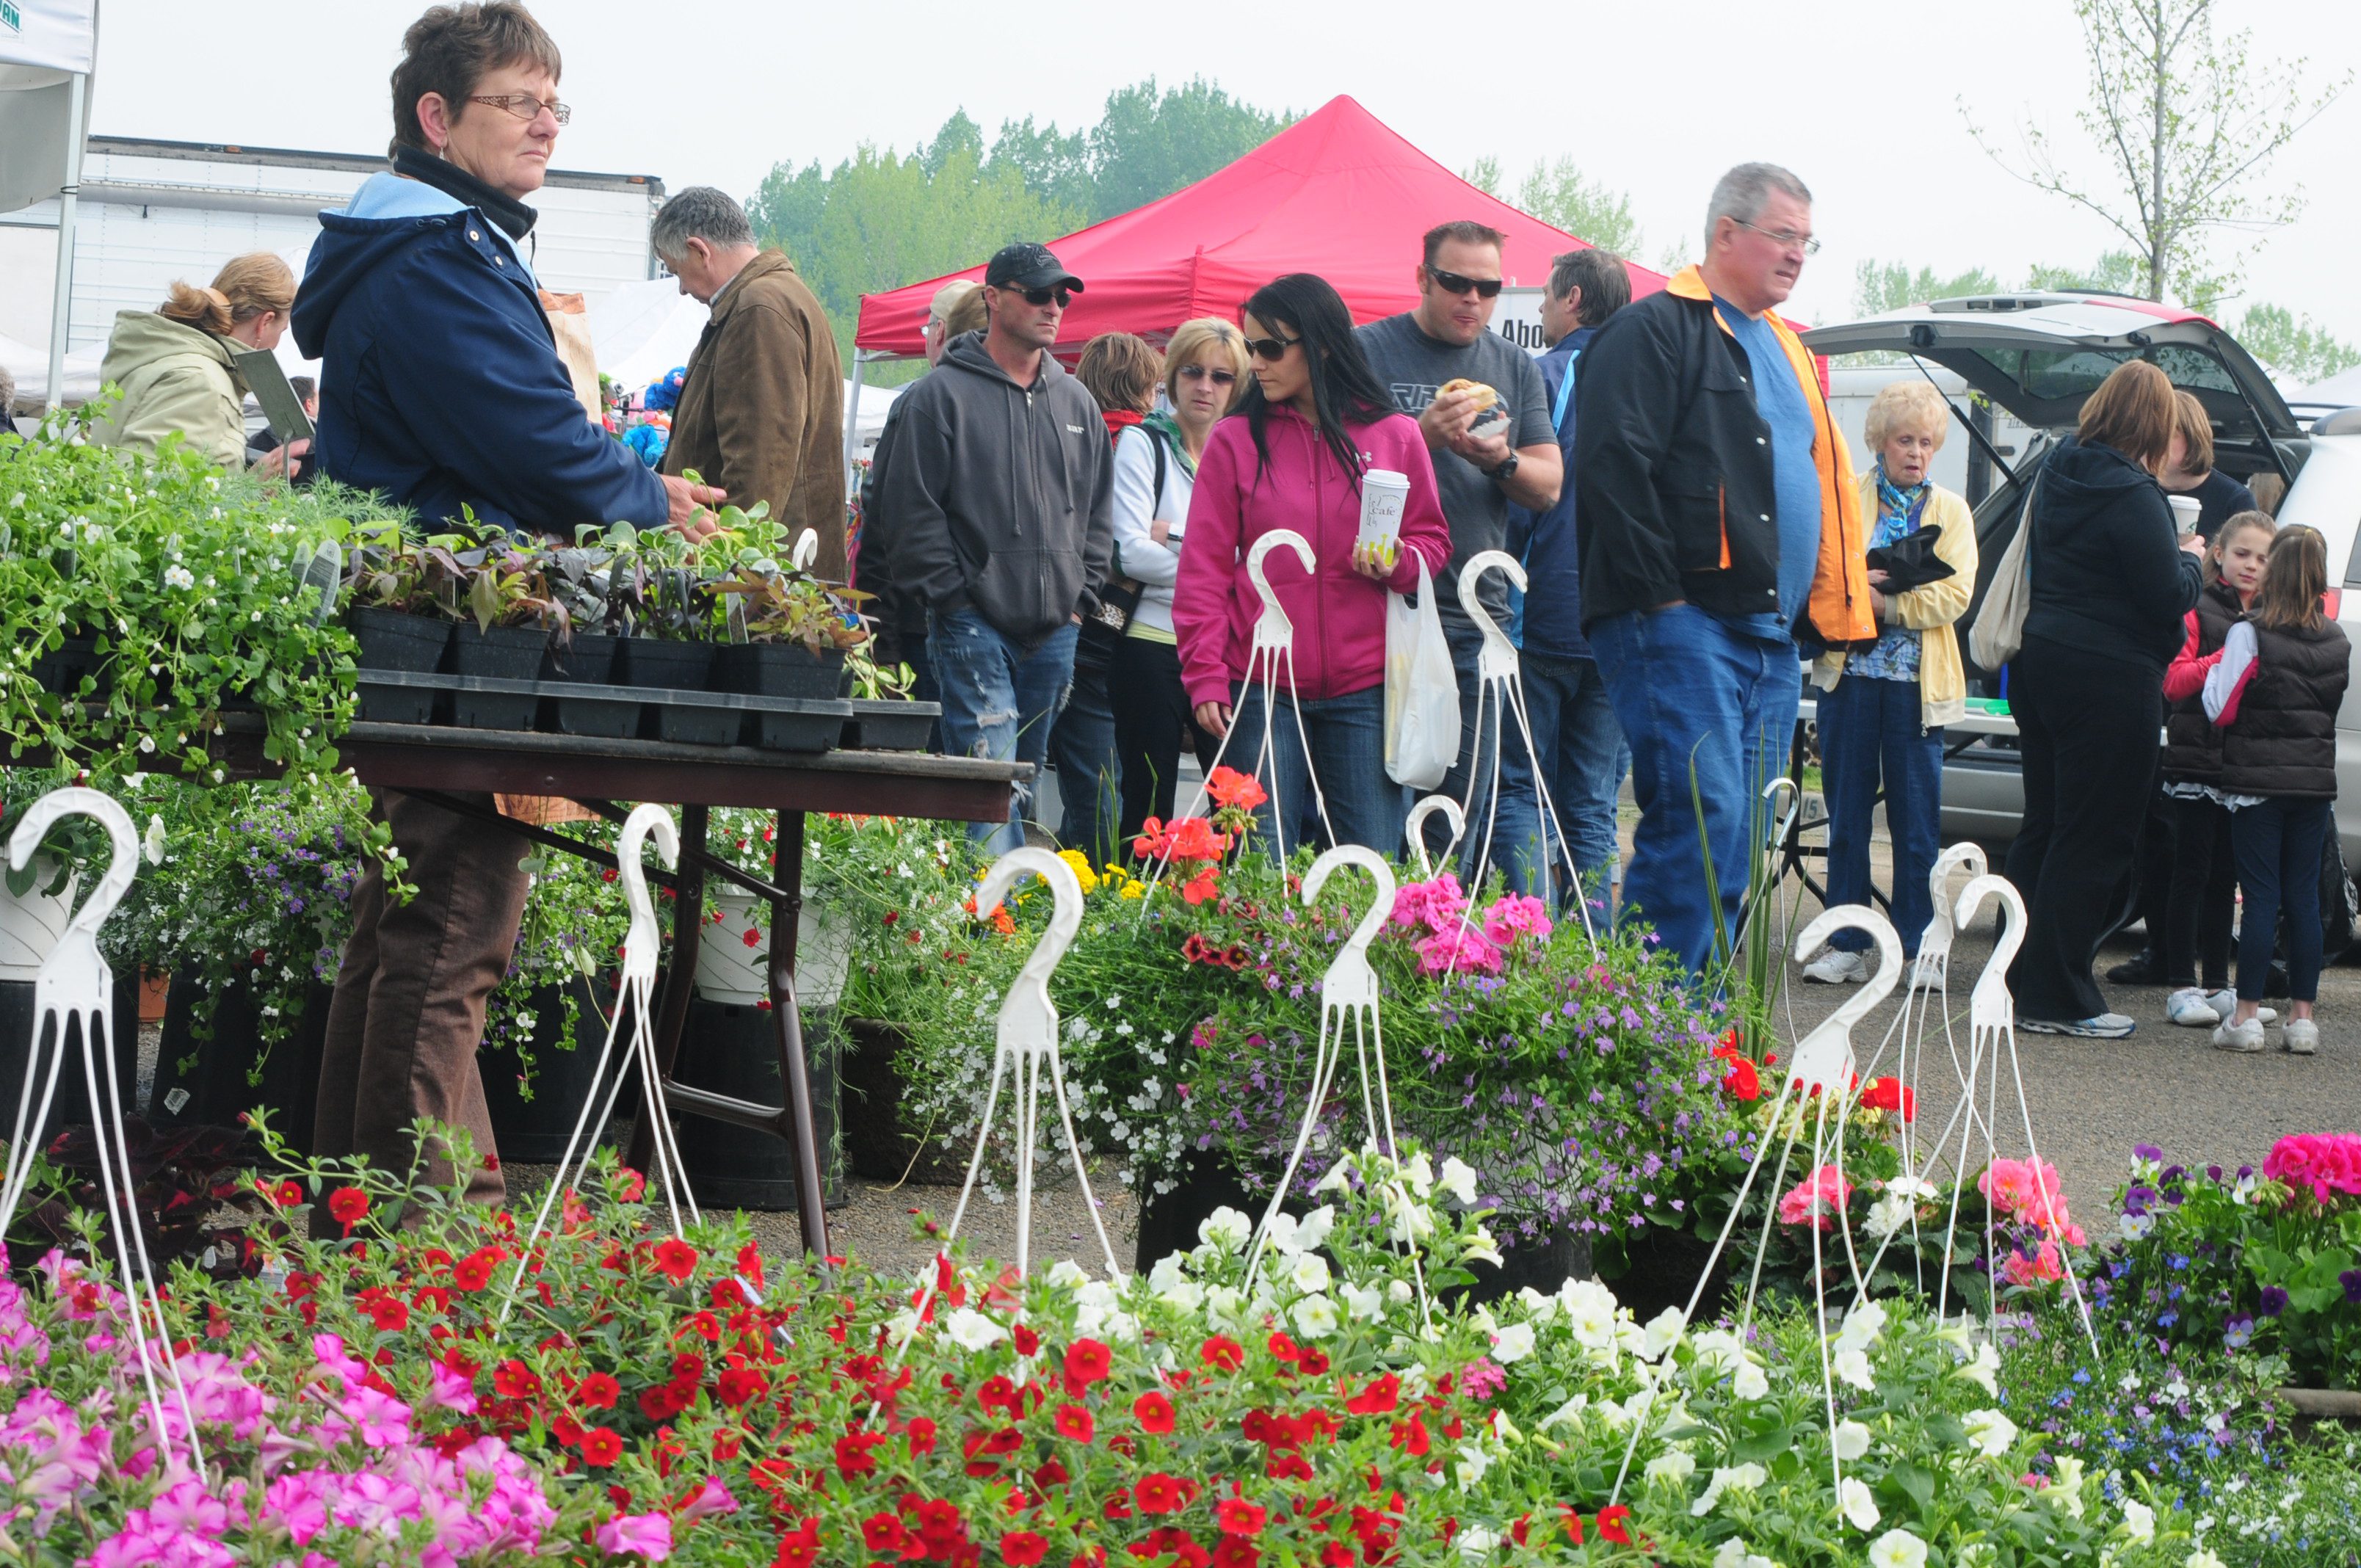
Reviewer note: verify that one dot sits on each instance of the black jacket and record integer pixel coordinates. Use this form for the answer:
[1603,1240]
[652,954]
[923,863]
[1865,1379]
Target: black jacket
[2284,742]
[2109,576]
[1000,498]
[1673,472]
[2193,746]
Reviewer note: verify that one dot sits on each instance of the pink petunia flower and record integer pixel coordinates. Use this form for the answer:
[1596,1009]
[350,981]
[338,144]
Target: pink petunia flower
[637,1535]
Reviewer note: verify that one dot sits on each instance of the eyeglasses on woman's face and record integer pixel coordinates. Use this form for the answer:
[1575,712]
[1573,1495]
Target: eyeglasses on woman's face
[1220,377]
[1271,348]
[526,107]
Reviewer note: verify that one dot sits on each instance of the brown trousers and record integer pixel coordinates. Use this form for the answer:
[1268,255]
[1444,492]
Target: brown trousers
[408,1007]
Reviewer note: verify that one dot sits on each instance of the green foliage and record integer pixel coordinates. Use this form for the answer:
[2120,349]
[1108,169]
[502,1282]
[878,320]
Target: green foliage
[1147,145]
[1882,285]
[2114,272]
[2292,346]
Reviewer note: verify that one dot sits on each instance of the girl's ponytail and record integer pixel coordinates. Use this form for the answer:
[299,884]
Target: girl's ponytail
[207,309]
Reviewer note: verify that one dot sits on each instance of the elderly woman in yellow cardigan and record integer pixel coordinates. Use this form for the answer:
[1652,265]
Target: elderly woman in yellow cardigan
[1881,712]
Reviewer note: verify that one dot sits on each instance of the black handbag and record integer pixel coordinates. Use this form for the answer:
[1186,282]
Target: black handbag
[1106,623]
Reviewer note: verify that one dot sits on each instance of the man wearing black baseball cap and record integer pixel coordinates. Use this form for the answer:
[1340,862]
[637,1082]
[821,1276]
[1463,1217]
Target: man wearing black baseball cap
[1002,491]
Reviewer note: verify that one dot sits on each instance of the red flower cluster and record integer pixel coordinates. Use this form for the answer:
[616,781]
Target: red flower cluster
[1195,950]
[1890,1094]
[1741,1081]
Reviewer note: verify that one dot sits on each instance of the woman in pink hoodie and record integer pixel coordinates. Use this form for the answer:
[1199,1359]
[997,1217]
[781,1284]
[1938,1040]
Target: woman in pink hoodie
[1314,421]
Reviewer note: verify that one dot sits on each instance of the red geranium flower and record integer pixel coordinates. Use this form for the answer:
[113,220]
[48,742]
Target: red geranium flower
[1230,787]
[1087,1362]
[1022,1549]
[1889,1094]
[1157,1493]
[675,1260]
[346,1205]
[1074,1424]
[1238,1517]
[1154,1414]
[602,1446]
[1741,1081]
[599,1391]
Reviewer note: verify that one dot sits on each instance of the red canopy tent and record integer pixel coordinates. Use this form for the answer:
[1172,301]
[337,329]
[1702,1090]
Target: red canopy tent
[1337,193]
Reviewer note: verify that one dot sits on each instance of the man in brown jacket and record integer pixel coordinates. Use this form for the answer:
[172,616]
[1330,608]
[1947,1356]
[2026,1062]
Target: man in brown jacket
[762,414]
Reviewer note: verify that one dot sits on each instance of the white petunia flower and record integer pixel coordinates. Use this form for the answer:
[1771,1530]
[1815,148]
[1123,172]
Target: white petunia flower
[1663,1330]
[1733,1554]
[2204,1558]
[1513,1344]
[1473,1462]
[1853,1366]
[1067,1274]
[1458,1180]
[1734,1478]
[2066,1487]
[1852,1440]
[1476,1541]
[1310,1274]
[1482,1248]
[1983,1371]
[2139,1521]
[1366,1303]
[1862,1326]
[1749,1383]
[1897,1549]
[1316,1317]
[1542,1308]
[1858,1507]
[1569,1413]
[1991,1433]
[1227,1229]
[972,1330]
[1672,1466]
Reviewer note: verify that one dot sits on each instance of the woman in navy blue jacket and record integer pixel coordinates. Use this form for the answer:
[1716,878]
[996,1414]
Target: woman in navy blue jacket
[440,388]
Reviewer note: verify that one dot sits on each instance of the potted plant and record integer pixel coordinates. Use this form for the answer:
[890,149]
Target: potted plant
[664,609]
[499,591]
[797,631]
[391,608]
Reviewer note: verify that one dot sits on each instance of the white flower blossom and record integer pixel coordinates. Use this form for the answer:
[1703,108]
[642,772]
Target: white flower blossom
[1853,1368]
[972,1330]
[1897,1549]
[1672,1466]
[1732,1478]
[1513,1344]
[2066,1487]
[180,577]
[1991,1433]
[1227,1229]
[1473,1462]
[2205,1558]
[1316,1317]
[1749,1383]
[1852,1440]
[1888,1214]
[1733,1554]
[1482,1248]
[1569,1413]
[1856,1505]
[1983,1371]
[2139,1521]
[1309,1274]
[1663,1330]
[1458,1180]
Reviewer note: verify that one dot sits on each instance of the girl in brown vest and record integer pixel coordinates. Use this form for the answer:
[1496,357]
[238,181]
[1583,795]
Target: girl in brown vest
[2275,695]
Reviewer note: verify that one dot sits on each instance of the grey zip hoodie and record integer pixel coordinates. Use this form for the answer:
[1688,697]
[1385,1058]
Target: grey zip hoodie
[1001,495]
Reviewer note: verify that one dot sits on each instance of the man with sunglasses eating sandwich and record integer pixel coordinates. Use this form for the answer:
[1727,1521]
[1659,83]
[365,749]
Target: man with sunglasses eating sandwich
[1479,401]
[1001,493]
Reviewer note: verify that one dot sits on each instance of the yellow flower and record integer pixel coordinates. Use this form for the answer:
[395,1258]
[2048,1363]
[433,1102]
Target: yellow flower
[1134,888]
[1082,872]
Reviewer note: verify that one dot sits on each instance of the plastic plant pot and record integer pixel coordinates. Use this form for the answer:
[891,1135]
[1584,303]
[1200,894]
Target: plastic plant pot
[588,659]
[778,669]
[505,653]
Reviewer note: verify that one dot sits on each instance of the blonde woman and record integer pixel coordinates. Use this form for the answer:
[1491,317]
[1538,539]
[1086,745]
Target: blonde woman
[1882,711]
[174,364]
[1155,472]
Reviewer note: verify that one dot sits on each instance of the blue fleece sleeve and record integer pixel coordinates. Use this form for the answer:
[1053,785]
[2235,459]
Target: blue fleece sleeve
[486,395]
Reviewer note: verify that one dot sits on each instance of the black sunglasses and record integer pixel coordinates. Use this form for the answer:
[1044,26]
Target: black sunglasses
[1220,377]
[1271,348]
[1042,296]
[1482,288]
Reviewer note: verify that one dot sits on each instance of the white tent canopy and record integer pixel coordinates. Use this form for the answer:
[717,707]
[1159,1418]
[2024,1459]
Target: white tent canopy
[45,56]
[2344,389]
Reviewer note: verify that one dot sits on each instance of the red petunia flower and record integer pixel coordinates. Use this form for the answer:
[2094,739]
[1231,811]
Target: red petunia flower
[1283,1348]
[1224,1352]
[1158,1493]
[675,1260]
[1154,1414]
[1074,1424]
[798,1548]
[853,1457]
[921,1435]
[1024,1339]
[1088,1361]
[513,1379]
[474,1272]
[883,1532]
[602,1446]
[1022,1549]
[599,1391]
[1237,1516]
[739,1384]
[346,1205]
[1237,1552]
[286,1194]
[1610,1525]
[1382,1397]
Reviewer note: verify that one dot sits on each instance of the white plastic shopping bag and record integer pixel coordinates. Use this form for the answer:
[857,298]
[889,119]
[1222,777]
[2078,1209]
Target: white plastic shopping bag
[1422,691]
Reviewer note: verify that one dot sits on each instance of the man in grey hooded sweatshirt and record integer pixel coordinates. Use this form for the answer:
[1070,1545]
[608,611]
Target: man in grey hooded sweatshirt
[1002,489]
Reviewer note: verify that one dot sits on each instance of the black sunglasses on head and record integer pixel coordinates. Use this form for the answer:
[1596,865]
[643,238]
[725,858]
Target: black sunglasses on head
[1042,296]
[1482,288]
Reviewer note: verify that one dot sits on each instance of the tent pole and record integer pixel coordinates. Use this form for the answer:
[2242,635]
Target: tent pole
[853,420]
[61,308]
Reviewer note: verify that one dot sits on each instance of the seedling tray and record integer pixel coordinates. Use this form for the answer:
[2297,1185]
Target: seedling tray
[883,725]
[711,719]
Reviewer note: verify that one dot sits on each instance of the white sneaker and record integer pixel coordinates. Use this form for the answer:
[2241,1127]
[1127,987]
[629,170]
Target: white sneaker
[2246,1037]
[2192,1009]
[1926,972]
[2225,1007]
[1836,967]
[2300,1037]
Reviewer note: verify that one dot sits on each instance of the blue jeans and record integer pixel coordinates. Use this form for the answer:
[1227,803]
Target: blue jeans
[1518,824]
[1347,735]
[2278,844]
[1871,730]
[1582,761]
[1090,774]
[999,702]
[1691,694]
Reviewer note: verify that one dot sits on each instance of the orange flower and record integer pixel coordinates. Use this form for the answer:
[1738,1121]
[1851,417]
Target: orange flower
[1235,790]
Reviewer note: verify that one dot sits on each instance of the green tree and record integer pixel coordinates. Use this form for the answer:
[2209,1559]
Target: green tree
[1882,285]
[2185,126]
[2115,272]
[2292,346]
[1147,145]
[1557,192]
[1054,167]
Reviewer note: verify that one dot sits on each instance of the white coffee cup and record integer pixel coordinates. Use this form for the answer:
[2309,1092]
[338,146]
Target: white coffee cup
[1384,493]
[2186,509]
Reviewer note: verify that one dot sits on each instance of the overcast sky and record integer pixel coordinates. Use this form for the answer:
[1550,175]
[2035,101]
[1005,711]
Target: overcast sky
[1861,97]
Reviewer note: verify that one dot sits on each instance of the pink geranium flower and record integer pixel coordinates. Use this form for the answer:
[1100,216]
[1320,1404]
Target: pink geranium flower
[1813,1200]
[1516,917]
[1458,950]
[2030,1190]
[2325,1162]
[1436,903]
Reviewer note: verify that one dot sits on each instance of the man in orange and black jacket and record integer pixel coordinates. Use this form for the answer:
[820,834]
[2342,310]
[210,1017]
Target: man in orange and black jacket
[1719,528]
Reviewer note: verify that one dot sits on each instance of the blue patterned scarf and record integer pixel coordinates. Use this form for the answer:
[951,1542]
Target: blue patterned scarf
[1895,502]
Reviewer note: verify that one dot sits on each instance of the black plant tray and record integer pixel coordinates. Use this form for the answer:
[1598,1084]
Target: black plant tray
[888,726]
[712,719]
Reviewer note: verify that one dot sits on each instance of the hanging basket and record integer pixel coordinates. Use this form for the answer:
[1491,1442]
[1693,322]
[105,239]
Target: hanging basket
[733,959]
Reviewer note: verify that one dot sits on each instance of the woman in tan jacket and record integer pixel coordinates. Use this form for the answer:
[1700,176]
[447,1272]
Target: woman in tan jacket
[1881,712]
[174,364]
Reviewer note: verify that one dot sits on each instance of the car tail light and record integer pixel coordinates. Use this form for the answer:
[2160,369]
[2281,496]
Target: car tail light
[2332,602]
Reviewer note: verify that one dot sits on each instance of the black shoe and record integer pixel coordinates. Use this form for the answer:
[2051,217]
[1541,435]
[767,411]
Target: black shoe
[2145,967]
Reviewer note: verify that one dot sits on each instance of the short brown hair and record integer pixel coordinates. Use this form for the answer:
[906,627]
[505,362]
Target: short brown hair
[2196,430]
[2133,412]
[1466,231]
[1121,372]
[452,47]
[2295,575]
[1602,275]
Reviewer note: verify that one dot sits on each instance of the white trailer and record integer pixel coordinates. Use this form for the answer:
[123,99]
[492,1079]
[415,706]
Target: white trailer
[150,212]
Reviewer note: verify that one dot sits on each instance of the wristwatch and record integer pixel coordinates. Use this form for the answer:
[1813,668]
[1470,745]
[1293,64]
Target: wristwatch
[1507,467]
